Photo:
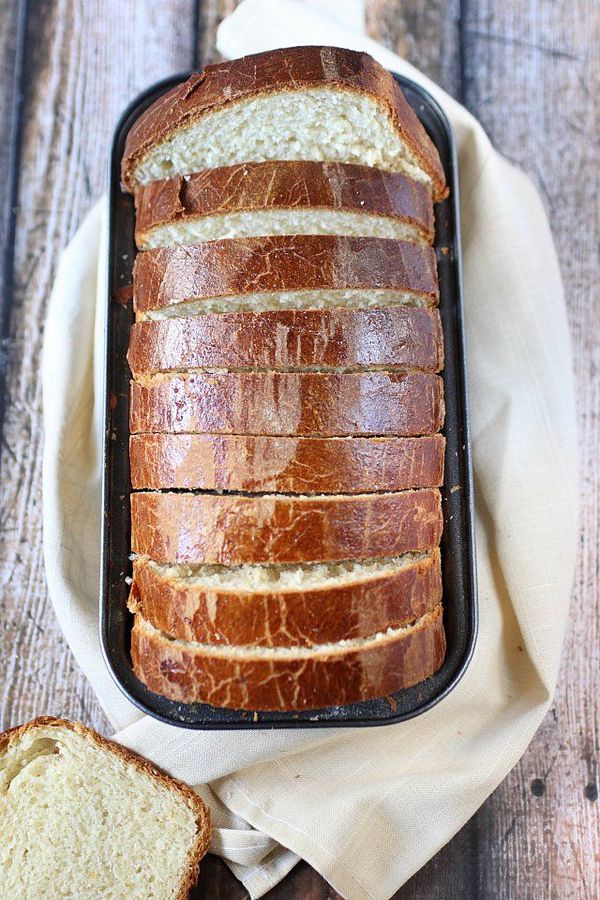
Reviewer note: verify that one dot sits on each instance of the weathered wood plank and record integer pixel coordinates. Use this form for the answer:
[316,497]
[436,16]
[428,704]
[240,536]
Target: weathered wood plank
[89,60]
[216,882]
[426,34]
[12,26]
[211,14]
[532,76]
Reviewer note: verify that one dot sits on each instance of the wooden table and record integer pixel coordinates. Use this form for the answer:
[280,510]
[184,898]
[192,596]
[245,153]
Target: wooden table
[530,71]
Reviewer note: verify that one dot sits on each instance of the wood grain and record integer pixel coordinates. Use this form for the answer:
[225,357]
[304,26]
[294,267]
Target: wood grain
[531,72]
[89,61]
[12,27]
[211,14]
[423,32]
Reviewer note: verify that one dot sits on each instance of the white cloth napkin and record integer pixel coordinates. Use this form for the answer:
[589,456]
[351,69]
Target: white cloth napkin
[366,808]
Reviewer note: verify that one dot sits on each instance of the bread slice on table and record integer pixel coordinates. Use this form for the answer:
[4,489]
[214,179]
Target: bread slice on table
[283,272]
[290,340]
[328,404]
[282,197]
[286,465]
[280,606]
[83,817]
[233,529]
[297,103]
[288,678]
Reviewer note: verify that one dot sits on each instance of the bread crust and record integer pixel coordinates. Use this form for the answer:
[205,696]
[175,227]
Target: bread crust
[290,403]
[183,672]
[288,69]
[192,800]
[284,184]
[168,276]
[233,529]
[398,337]
[363,606]
[286,465]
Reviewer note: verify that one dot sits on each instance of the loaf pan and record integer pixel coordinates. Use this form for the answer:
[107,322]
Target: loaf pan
[458,550]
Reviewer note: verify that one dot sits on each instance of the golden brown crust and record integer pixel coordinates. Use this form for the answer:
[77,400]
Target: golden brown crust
[233,529]
[177,274]
[288,69]
[286,465]
[183,672]
[284,184]
[363,606]
[192,800]
[290,403]
[399,337]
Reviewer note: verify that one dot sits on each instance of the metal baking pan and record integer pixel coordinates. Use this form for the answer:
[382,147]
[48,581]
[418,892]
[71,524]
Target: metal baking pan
[458,550]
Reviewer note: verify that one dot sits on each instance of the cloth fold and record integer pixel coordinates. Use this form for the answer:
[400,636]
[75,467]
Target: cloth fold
[367,808]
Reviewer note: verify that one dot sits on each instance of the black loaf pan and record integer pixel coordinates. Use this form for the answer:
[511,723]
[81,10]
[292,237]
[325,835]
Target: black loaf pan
[458,551]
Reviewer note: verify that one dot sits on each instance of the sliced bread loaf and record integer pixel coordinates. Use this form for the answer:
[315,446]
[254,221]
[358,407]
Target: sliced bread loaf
[283,271]
[281,197]
[234,529]
[328,404]
[285,465]
[288,678]
[311,103]
[84,817]
[401,337]
[279,606]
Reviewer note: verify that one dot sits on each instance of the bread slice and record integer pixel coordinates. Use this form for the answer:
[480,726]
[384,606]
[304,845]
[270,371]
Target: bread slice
[280,606]
[83,817]
[307,103]
[282,197]
[290,340]
[285,465]
[283,271]
[328,404]
[288,678]
[234,529]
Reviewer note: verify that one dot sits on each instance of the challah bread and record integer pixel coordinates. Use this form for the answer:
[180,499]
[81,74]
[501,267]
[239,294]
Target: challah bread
[286,402]
[234,529]
[280,606]
[288,678]
[285,465]
[328,404]
[283,271]
[298,103]
[279,197]
[290,340]
[84,817]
